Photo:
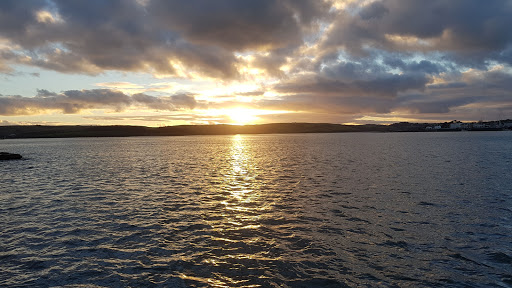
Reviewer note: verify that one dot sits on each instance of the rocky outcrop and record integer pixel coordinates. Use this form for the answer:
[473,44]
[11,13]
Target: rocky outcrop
[9,156]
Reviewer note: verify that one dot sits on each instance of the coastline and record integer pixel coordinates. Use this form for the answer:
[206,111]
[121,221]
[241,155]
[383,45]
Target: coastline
[38,131]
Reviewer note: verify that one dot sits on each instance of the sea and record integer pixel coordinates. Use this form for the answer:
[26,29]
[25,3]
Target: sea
[284,210]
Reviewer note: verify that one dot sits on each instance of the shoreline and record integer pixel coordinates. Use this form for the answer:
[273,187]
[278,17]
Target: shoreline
[38,131]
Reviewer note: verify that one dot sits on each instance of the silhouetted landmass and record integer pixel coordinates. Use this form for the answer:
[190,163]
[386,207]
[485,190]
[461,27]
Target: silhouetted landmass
[38,131]
[9,156]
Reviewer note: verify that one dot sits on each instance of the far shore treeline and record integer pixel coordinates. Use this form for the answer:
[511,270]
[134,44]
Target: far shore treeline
[39,131]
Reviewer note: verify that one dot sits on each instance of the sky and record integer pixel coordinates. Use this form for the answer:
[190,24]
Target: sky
[170,62]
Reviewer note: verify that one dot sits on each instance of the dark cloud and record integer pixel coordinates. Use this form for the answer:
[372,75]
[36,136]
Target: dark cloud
[468,31]
[345,87]
[409,94]
[43,93]
[166,103]
[423,66]
[271,62]
[8,58]
[183,100]
[74,101]
[375,10]
[93,36]
[151,101]
[232,24]
[202,36]
[490,90]
[433,105]
[238,25]
[387,85]
[17,16]
[309,103]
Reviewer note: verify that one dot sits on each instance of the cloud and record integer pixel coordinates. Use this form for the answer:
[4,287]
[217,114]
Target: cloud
[423,66]
[150,118]
[119,85]
[6,123]
[166,103]
[96,36]
[74,101]
[163,37]
[164,119]
[410,95]
[347,79]
[470,32]
[167,37]
[16,16]
[335,57]
[16,123]
[251,93]
[238,25]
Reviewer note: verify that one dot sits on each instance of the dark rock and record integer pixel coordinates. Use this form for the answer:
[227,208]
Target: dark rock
[9,156]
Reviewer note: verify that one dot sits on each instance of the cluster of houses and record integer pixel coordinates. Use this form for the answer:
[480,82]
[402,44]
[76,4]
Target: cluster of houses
[451,126]
[471,126]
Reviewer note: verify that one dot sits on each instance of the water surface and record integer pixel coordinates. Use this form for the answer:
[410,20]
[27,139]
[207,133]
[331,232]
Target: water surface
[302,210]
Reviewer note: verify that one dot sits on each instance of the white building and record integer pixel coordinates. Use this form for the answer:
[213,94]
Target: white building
[455,124]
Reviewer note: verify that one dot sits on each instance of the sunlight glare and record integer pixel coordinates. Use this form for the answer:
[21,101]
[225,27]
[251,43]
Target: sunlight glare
[241,116]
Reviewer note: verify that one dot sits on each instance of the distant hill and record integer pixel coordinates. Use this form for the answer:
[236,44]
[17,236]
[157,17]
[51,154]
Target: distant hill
[38,131]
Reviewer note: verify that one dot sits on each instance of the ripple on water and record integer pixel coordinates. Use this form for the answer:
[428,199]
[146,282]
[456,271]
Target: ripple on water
[319,210]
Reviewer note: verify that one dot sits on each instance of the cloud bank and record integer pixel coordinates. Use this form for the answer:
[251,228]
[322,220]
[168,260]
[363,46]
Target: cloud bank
[404,57]
[74,101]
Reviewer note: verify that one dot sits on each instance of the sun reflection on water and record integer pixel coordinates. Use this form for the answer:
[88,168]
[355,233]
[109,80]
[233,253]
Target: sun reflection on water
[241,186]
[236,231]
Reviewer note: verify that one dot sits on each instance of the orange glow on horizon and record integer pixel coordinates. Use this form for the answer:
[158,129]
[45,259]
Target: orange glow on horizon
[242,116]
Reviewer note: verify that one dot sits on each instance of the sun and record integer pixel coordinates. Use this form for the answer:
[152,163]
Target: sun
[242,116]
